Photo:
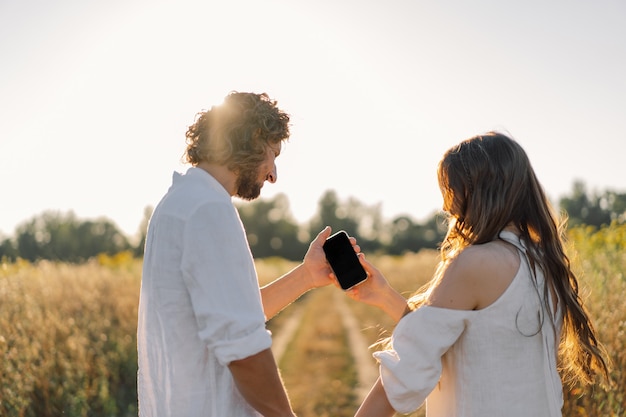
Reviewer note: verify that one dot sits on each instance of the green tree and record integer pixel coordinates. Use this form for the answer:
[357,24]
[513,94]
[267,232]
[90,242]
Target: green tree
[586,208]
[331,212]
[271,229]
[365,223]
[8,251]
[616,203]
[56,236]
[406,235]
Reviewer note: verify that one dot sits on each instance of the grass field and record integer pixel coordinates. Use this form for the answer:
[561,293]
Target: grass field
[67,333]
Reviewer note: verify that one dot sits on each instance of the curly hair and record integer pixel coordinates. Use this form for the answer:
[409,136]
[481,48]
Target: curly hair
[237,132]
[487,182]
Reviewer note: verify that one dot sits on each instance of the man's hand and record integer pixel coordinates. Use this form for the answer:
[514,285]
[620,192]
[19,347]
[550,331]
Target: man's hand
[315,264]
[320,273]
[312,273]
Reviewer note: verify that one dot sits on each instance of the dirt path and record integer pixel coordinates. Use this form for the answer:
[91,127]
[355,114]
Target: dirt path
[281,339]
[367,371]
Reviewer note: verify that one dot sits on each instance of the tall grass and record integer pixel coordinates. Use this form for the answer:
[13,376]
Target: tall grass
[68,333]
[67,339]
[599,258]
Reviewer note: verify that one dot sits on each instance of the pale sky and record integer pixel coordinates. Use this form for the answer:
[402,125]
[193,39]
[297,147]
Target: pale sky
[95,97]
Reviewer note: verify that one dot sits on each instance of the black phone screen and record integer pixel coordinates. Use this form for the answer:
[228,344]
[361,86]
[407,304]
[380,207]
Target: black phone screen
[343,260]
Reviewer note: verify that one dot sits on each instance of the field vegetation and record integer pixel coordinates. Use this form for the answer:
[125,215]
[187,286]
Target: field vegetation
[67,338]
[68,343]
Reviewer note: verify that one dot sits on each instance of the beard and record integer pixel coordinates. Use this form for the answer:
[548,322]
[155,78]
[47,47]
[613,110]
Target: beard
[248,186]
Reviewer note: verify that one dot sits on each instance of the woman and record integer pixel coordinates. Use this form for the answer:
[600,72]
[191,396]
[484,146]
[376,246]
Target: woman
[486,336]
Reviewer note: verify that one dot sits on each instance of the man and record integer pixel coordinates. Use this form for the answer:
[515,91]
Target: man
[202,343]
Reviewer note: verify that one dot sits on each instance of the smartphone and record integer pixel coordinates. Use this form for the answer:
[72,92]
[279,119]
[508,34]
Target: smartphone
[343,260]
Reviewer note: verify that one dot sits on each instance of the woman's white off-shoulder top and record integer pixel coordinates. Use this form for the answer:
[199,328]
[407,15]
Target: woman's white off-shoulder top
[498,361]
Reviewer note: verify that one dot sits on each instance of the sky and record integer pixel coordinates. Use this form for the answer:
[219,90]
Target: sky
[95,97]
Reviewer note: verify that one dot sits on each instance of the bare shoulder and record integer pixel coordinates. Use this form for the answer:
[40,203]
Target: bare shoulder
[476,277]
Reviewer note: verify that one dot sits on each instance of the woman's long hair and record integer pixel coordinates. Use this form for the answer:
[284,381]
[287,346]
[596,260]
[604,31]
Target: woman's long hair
[487,183]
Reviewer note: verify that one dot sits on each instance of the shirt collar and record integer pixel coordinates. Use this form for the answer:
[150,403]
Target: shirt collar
[200,175]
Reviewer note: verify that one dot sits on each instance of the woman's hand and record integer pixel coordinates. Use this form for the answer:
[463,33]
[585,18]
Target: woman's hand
[377,291]
[372,290]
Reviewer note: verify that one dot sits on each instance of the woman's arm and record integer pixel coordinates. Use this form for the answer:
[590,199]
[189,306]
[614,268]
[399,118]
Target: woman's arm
[376,403]
[376,291]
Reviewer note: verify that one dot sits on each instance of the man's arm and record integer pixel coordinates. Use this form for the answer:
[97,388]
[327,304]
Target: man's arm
[313,272]
[285,290]
[259,382]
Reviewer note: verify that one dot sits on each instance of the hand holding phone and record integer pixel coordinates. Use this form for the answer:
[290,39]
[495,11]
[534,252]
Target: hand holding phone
[343,260]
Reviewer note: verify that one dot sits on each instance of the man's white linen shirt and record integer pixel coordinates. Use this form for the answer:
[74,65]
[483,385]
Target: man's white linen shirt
[200,304]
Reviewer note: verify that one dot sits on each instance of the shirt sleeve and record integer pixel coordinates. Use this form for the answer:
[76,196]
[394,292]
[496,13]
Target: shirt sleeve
[218,270]
[411,368]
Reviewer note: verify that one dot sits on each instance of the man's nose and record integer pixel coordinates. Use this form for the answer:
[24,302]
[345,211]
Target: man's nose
[272,176]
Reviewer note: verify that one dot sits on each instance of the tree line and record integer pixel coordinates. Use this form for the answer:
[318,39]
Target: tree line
[273,231]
